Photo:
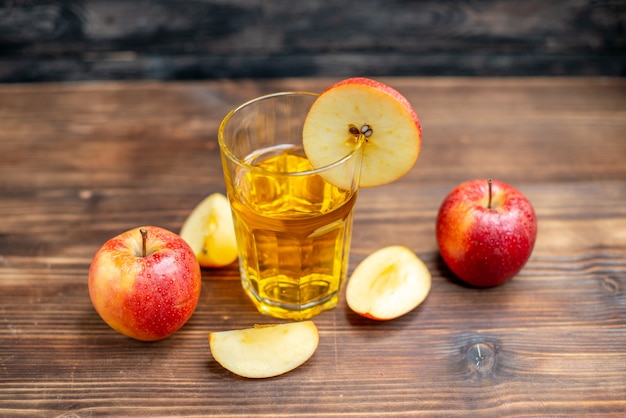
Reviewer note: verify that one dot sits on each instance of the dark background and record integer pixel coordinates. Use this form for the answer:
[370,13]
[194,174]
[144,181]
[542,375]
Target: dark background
[194,39]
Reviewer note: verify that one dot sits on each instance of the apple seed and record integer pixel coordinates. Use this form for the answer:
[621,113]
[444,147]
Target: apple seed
[360,134]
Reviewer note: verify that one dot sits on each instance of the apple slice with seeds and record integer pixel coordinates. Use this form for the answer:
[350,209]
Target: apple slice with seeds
[361,111]
[388,283]
[210,232]
[265,350]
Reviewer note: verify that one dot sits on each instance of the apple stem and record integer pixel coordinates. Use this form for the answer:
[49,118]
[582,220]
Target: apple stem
[144,238]
[489,203]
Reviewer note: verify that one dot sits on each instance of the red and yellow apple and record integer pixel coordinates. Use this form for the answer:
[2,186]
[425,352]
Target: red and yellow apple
[486,231]
[145,283]
[363,112]
[388,283]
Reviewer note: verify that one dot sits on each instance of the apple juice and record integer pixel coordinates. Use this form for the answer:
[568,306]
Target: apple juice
[293,234]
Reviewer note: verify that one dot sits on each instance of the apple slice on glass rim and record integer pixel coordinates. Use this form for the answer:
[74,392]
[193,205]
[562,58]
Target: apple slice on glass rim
[363,112]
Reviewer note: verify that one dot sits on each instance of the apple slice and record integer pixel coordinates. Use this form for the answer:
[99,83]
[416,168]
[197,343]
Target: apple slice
[265,350]
[361,111]
[210,232]
[388,283]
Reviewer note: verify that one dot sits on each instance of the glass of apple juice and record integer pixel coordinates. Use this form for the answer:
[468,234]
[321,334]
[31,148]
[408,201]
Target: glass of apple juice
[293,227]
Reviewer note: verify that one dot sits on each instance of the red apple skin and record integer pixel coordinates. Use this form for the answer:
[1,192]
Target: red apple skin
[145,298]
[485,246]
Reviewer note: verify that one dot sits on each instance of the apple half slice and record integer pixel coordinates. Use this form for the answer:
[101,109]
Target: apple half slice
[360,111]
[265,350]
[210,232]
[388,283]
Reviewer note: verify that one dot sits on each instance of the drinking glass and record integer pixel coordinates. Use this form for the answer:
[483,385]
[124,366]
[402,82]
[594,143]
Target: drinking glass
[293,227]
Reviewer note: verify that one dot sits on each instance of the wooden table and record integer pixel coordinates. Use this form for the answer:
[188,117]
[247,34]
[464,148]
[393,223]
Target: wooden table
[81,163]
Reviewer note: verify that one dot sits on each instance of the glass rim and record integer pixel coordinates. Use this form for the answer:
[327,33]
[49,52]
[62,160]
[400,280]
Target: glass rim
[231,157]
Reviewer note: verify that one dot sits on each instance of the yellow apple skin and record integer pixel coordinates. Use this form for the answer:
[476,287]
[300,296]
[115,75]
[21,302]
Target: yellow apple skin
[486,245]
[149,297]
[210,232]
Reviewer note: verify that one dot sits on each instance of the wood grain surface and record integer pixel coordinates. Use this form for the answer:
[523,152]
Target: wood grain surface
[82,162]
[52,40]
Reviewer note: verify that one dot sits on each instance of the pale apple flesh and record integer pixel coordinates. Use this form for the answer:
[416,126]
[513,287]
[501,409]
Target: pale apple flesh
[360,112]
[265,351]
[486,244]
[210,232]
[148,297]
[389,283]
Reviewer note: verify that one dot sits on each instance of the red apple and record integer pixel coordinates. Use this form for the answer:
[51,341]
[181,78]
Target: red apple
[486,232]
[145,283]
